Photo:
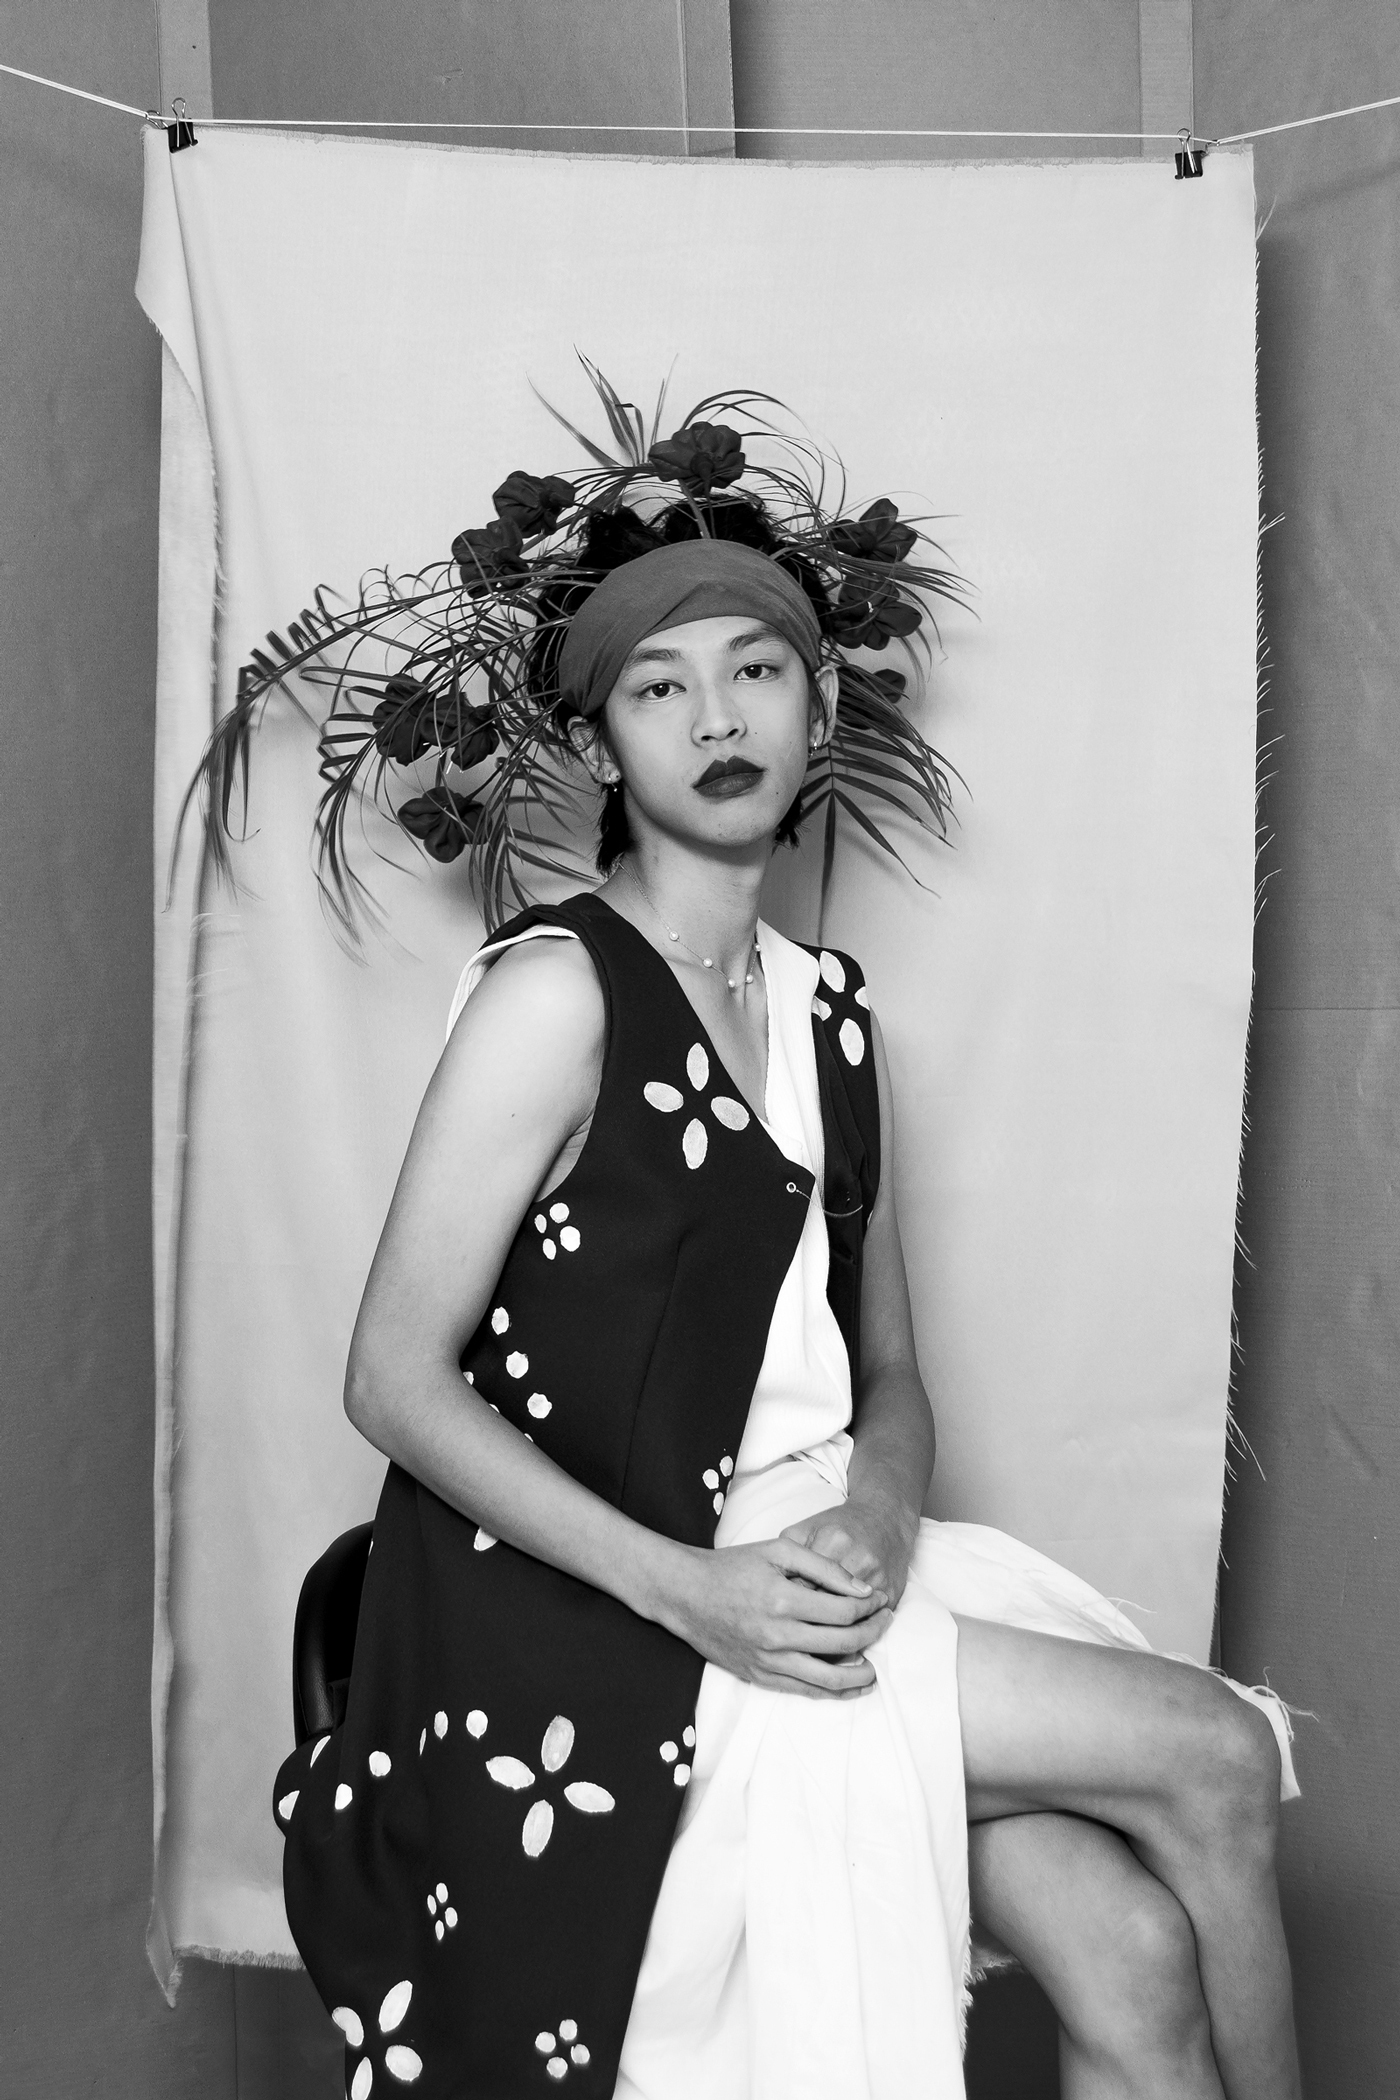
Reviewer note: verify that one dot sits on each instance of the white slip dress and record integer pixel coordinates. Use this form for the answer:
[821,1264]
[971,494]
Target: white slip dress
[811,1940]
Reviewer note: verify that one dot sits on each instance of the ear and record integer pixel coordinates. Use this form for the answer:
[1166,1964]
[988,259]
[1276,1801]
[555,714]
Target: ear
[590,743]
[825,685]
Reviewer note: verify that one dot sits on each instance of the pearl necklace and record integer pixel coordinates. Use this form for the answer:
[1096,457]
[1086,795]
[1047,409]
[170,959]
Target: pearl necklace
[706,962]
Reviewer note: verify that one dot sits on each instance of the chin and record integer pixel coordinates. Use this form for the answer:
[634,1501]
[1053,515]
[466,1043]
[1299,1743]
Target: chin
[744,825]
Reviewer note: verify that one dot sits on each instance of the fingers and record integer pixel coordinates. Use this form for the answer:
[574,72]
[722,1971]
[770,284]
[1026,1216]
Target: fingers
[792,1671]
[800,1534]
[806,1527]
[838,1640]
[795,1600]
[823,1574]
[829,1537]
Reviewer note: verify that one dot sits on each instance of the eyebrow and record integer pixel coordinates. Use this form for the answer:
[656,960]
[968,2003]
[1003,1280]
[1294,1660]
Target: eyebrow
[657,653]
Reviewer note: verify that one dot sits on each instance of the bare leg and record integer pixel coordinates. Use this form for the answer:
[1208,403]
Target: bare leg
[1188,1772]
[1112,1949]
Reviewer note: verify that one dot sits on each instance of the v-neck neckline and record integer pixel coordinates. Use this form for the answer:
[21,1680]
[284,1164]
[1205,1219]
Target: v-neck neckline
[717,1062]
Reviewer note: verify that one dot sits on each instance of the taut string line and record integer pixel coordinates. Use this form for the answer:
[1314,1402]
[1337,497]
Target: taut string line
[790,131]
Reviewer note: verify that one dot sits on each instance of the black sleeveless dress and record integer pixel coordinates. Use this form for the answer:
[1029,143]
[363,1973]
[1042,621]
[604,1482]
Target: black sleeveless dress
[473,1857]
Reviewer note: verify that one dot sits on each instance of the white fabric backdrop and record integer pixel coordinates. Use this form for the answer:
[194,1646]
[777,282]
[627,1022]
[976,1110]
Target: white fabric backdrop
[1060,359]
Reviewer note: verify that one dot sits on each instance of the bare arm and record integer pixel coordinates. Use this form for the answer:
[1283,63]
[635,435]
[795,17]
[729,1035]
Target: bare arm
[873,1532]
[517,1080]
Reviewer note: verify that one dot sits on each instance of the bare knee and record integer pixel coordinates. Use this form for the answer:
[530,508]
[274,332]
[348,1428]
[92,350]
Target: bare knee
[1225,1780]
[1147,2007]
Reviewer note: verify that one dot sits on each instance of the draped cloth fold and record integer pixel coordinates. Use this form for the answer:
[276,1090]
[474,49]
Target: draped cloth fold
[812,1937]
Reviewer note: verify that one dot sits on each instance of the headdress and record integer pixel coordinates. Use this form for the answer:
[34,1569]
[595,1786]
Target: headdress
[694,580]
[459,683]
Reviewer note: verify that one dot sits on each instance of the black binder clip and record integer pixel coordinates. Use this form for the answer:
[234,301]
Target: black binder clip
[181,132]
[1190,156]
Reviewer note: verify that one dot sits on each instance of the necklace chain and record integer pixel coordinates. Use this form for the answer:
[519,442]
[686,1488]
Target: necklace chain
[706,962]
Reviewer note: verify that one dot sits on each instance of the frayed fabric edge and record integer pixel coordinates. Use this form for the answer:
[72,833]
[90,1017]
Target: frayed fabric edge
[237,1958]
[1280,1716]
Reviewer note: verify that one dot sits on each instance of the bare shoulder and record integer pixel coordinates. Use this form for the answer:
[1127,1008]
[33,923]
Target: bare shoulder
[546,983]
[533,1029]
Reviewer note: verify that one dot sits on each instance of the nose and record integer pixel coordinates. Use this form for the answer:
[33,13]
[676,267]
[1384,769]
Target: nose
[718,716]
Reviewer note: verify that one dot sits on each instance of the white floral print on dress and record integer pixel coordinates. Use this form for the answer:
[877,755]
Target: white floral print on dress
[695,1138]
[401,2061]
[551,2047]
[716,1479]
[583,1794]
[441,1911]
[569,1237]
[670,1755]
[851,1035]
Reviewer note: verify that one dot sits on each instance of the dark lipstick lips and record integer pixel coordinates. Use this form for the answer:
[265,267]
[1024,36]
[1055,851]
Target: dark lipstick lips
[727,769]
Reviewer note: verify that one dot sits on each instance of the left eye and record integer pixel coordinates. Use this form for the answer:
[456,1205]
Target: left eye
[759,670]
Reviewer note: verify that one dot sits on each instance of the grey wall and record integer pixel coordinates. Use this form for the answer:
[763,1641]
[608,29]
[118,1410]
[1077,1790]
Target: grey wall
[1312,1540]
[921,64]
[483,61]
[79,395]
[1312,1545]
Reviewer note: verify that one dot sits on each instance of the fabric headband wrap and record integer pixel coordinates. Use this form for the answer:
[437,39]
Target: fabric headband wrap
[696,580]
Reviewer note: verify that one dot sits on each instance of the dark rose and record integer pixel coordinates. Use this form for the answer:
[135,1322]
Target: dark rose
[489,557]
[404,726]
[476,740]
[868,618]
[443,822]
[531,505]
[893,684]
[701,457]
[876,535]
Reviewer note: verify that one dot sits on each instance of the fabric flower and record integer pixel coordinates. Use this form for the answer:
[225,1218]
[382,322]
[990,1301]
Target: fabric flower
[489,557]
[876,535]
[404,724]
[893,684]
[700,456]
[442,821]
[532,505]
[867,618]
[476,739]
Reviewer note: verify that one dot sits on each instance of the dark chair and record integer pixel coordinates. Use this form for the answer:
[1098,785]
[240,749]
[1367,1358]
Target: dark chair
[323,1644]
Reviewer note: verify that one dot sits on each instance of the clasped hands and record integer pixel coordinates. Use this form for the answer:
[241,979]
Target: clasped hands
[799,1613]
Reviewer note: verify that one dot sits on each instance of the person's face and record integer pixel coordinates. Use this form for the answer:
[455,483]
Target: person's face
[711,726]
